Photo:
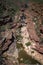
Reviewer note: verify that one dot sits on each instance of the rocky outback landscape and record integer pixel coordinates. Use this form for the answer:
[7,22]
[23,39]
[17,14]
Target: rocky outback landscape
[21,32]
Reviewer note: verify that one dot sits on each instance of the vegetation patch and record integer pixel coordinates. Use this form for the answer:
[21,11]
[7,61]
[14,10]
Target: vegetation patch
[19,37]
[42,22]
[2,28]
[37,1]
[19,45]
[28,43]
[32,51]
[26,59]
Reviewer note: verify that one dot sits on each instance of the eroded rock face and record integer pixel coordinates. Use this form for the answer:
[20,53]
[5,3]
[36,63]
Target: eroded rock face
[6,19]
[9,50]
[39,48]
[32,32]
[8,45]
[31,25]
[6,42]
[4,61]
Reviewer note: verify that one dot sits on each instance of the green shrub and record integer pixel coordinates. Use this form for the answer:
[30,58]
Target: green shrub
[19,37]
[32,51]
[39,1]
[28,43]
[19,45]
[2,28]
[42,22]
